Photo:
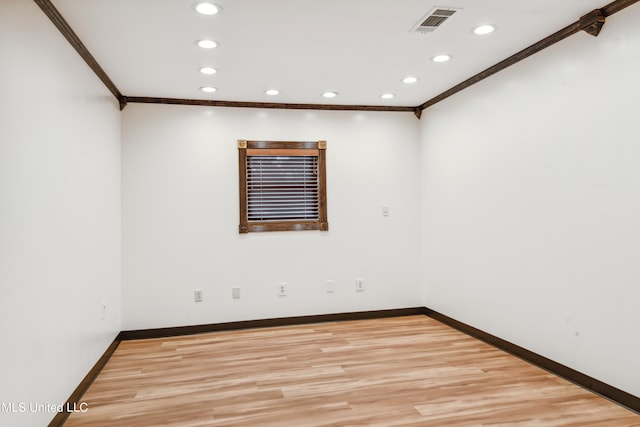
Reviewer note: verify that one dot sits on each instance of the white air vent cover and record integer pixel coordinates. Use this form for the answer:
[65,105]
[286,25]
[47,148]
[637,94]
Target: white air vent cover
[432,20]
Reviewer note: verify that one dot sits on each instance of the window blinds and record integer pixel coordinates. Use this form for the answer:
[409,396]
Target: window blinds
[282,188]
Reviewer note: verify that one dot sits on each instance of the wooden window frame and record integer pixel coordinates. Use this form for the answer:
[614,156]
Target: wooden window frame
[288,148]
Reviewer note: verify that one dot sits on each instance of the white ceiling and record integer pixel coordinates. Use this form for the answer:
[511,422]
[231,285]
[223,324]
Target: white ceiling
[359,48]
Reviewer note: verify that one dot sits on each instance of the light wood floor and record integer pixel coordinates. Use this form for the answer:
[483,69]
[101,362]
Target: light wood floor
[405,371]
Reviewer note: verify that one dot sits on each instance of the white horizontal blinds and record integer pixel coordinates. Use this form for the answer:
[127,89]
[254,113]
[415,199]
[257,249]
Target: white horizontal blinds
[282,188]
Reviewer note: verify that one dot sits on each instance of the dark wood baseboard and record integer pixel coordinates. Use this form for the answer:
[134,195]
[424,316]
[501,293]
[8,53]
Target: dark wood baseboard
[266,323]
[619,396]
[74,401]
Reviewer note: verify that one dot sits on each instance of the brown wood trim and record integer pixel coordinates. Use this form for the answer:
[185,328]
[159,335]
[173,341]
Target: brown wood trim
[267,323]
[272,105]
[322,187]
[270,148]
[63,26]
[281,152]
[619,396]
[554,38]
[258,227]
[592,22]
[285,145]
[74,400]
[617,6]
[593,27]
[523,54]
[242,185]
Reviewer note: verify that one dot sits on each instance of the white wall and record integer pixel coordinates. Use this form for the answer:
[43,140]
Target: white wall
[59,215]
[531,203]
[180,217]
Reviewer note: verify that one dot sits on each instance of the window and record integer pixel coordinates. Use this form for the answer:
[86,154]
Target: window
[282,186]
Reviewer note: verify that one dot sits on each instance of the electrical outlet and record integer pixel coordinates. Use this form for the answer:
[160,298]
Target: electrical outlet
[235,292]
[197,295]
[331,286]
[282,289]
[360,284]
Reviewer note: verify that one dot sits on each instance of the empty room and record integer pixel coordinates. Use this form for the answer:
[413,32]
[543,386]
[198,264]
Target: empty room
[319,213]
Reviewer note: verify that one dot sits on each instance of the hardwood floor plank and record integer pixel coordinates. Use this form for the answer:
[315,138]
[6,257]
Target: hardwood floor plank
[405,371]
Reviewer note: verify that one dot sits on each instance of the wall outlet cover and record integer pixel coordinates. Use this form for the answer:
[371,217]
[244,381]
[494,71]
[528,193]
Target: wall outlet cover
[282,289]
[331,286]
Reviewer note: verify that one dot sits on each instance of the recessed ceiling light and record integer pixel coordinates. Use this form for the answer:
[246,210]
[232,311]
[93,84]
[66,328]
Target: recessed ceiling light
[207,44]
[330,94]
[441,58]
[206,8]
[484,29]
[409,80]
[387,96]
[272,92]
[208,70]
[208,89]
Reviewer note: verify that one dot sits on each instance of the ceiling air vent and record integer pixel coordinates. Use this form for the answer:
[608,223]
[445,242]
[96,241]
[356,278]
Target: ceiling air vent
[432,20]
